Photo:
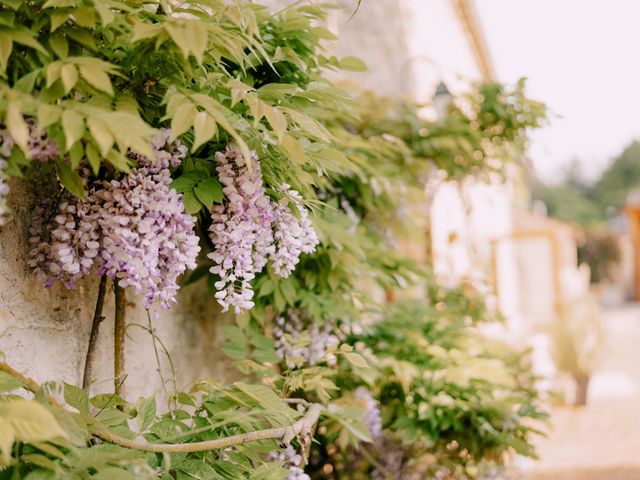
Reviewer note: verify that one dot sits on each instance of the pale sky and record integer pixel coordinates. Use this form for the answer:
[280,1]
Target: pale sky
[582,58]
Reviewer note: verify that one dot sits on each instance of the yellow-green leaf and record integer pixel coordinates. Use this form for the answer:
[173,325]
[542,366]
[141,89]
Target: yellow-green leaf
[183,118]
[142,30]
[294,150]
[94,158]
[73,127]
[118,160]
[26,421]
[101,134]
[97,78]
[59,45]
[178,32]
[105,12]
[58,18]
[28,40]
[52,72]
[277,120]
[85,16]
[69,75]
[70,178]
[204,128]
[355,359]
[47,115]
[18,127]
[199,39]
[6,46]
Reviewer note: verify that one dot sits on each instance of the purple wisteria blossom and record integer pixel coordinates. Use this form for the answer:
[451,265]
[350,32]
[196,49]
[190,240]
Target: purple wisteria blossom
[292,461]
[41,148]
[241,231]
[293,236]
[133,229]
[251,228]
[66,248]
[300,345]
[372,418]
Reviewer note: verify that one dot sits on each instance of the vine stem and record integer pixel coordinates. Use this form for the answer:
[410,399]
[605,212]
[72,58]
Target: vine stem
[302,428]
[377,465]
[119,330]
[93,337]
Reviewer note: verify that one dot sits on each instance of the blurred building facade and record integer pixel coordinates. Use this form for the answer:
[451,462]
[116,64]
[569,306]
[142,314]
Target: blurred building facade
[481,232]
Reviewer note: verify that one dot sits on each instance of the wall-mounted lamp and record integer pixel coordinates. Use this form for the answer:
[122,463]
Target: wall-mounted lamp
[441,100]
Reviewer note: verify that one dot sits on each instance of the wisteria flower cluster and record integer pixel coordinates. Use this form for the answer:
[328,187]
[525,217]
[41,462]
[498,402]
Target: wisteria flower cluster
[300,345]
[292,461]
[134,230]
[293,236]
[372,418]
[251,229]
[41,147]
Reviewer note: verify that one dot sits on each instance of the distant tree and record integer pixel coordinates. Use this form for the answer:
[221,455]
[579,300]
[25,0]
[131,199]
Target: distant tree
[568,203]
[574,177]
[622,175]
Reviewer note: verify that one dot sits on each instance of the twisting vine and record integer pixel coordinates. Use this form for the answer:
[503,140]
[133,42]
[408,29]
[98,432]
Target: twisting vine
[93,336]
[119,330]
[301,429]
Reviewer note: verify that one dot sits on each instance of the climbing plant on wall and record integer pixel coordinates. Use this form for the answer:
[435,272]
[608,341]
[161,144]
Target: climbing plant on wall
[203,138]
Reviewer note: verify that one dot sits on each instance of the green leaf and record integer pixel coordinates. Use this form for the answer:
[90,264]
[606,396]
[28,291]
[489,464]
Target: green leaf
[76,155]
[198,469]
[235,345]
[70,178]
[278,300]
[112,417]
[188,181]
[73,127]
[76,398]
[113,473]
[146,413]
[191,203]
[209,191]
[94,158]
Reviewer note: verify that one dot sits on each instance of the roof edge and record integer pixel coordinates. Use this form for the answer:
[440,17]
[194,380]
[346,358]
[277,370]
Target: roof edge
[467,15]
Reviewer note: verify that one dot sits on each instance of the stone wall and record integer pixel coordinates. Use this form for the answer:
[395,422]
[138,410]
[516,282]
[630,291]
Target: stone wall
[44,332]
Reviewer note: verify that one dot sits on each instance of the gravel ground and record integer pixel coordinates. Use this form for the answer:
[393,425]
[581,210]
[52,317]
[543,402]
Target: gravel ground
[602,440]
